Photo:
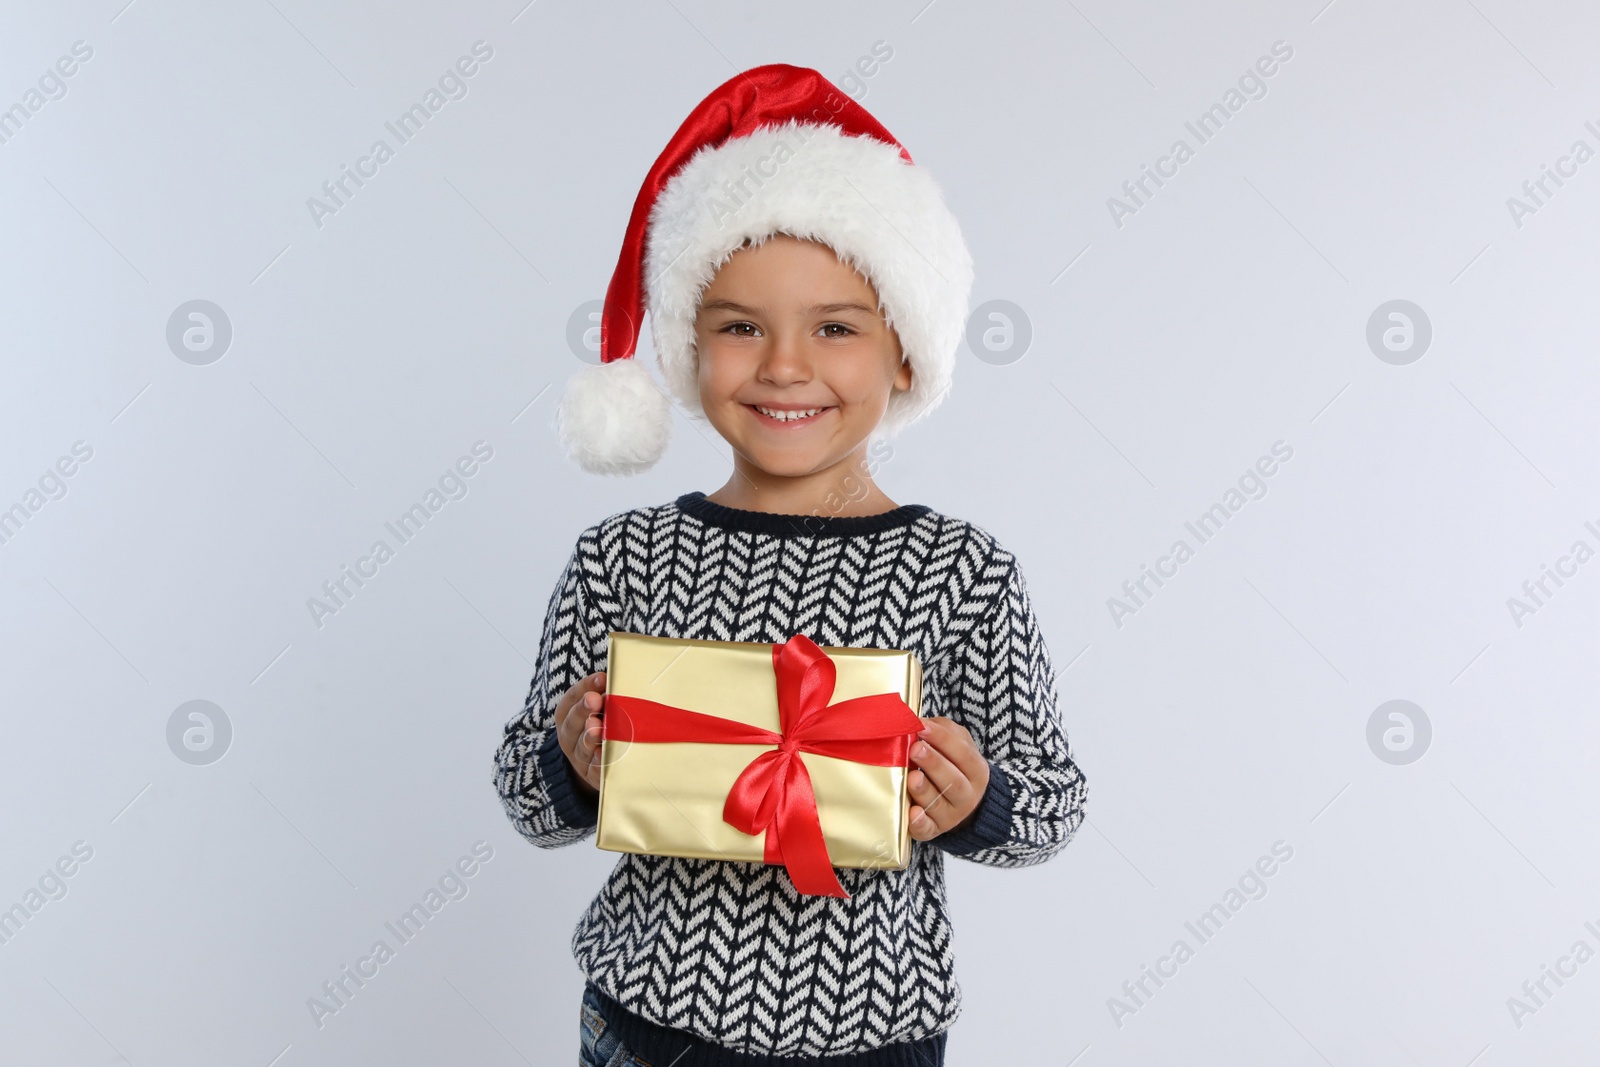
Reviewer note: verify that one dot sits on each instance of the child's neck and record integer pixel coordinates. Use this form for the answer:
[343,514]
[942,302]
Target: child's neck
[845,489]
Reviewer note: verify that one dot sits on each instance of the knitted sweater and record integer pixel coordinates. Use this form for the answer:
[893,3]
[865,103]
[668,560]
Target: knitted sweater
[728,952]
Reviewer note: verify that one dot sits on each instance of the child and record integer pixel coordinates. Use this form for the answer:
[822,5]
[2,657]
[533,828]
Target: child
[807,289]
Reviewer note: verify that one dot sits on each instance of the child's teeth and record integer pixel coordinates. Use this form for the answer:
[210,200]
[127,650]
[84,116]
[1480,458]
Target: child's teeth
[787,416]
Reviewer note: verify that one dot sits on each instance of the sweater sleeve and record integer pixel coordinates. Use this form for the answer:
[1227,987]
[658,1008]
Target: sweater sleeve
[538,785]
[1003,690]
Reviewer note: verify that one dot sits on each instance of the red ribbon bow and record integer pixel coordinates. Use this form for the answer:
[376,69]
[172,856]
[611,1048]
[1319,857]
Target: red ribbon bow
[773,794]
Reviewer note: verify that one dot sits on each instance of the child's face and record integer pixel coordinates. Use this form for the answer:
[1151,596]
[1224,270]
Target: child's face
[786,326]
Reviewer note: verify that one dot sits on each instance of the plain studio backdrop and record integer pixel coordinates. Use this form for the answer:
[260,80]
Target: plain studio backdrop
[230,369]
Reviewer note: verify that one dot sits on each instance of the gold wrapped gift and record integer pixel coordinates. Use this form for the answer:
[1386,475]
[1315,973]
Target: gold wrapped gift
[669,795]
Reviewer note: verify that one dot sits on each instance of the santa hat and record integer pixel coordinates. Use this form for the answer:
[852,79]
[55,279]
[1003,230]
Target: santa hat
[777,149]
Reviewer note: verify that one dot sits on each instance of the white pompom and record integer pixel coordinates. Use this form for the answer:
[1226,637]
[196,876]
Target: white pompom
[614,419]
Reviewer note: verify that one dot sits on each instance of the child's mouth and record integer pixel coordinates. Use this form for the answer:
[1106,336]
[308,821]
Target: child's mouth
[787,418]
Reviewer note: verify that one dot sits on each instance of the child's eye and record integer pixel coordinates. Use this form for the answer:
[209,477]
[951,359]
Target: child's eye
[734,327]
[846,331]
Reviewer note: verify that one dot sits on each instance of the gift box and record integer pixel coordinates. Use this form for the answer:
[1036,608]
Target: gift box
[786,753]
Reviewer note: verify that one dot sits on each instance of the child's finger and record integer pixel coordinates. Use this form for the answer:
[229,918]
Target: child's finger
[942,734]
[941,772]
[568,713]
[922,791]
[587,707]
[923,828]
[923,787]
[943,808]
[591,772]
[955,742]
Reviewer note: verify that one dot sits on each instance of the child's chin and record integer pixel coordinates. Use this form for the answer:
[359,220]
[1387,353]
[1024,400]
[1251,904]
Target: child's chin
[788,463]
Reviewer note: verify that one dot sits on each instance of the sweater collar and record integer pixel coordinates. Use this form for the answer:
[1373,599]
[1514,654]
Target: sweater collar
[713,514]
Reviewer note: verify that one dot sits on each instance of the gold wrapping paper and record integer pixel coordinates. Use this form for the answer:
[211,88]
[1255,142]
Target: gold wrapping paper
[667,799]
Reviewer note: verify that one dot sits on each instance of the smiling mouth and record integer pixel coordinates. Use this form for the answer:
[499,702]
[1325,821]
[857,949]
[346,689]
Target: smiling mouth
[788,417]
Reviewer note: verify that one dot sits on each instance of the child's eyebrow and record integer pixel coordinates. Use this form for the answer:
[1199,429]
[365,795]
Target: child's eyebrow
[815,309]
[727,305]
[830,309]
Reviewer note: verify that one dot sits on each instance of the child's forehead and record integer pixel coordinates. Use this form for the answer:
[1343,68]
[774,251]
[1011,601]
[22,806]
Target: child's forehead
[758,242]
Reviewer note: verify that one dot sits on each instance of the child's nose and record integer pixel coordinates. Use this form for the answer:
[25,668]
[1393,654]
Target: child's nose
[786,362]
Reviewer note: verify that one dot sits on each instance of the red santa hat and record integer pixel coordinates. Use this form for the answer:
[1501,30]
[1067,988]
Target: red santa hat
[776,149]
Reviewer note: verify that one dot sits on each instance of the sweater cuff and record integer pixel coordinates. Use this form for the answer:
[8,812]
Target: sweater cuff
[571,804]
[991,822]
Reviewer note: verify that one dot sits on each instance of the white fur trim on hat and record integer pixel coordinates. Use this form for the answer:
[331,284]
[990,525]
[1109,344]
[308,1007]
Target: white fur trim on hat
[881,215]
[614,419]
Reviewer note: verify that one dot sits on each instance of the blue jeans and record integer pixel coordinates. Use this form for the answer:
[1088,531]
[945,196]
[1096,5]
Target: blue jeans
[599,1045]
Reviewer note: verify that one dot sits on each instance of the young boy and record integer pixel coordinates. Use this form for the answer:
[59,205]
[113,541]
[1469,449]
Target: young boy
[807,288]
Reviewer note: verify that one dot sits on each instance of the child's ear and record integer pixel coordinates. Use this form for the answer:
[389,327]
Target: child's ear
[902,377]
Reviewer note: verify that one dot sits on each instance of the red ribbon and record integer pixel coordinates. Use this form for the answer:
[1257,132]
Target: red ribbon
[773,795]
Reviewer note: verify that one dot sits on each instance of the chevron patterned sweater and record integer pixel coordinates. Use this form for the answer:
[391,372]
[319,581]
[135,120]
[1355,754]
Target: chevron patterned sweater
[719,962]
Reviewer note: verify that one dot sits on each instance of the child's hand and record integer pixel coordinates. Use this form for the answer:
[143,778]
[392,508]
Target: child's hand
[949,778]
[578,725]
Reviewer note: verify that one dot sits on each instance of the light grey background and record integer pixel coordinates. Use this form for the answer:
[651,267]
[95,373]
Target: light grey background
[1167,354]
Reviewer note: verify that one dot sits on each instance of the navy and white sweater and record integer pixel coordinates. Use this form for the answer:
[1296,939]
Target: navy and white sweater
[729,953]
